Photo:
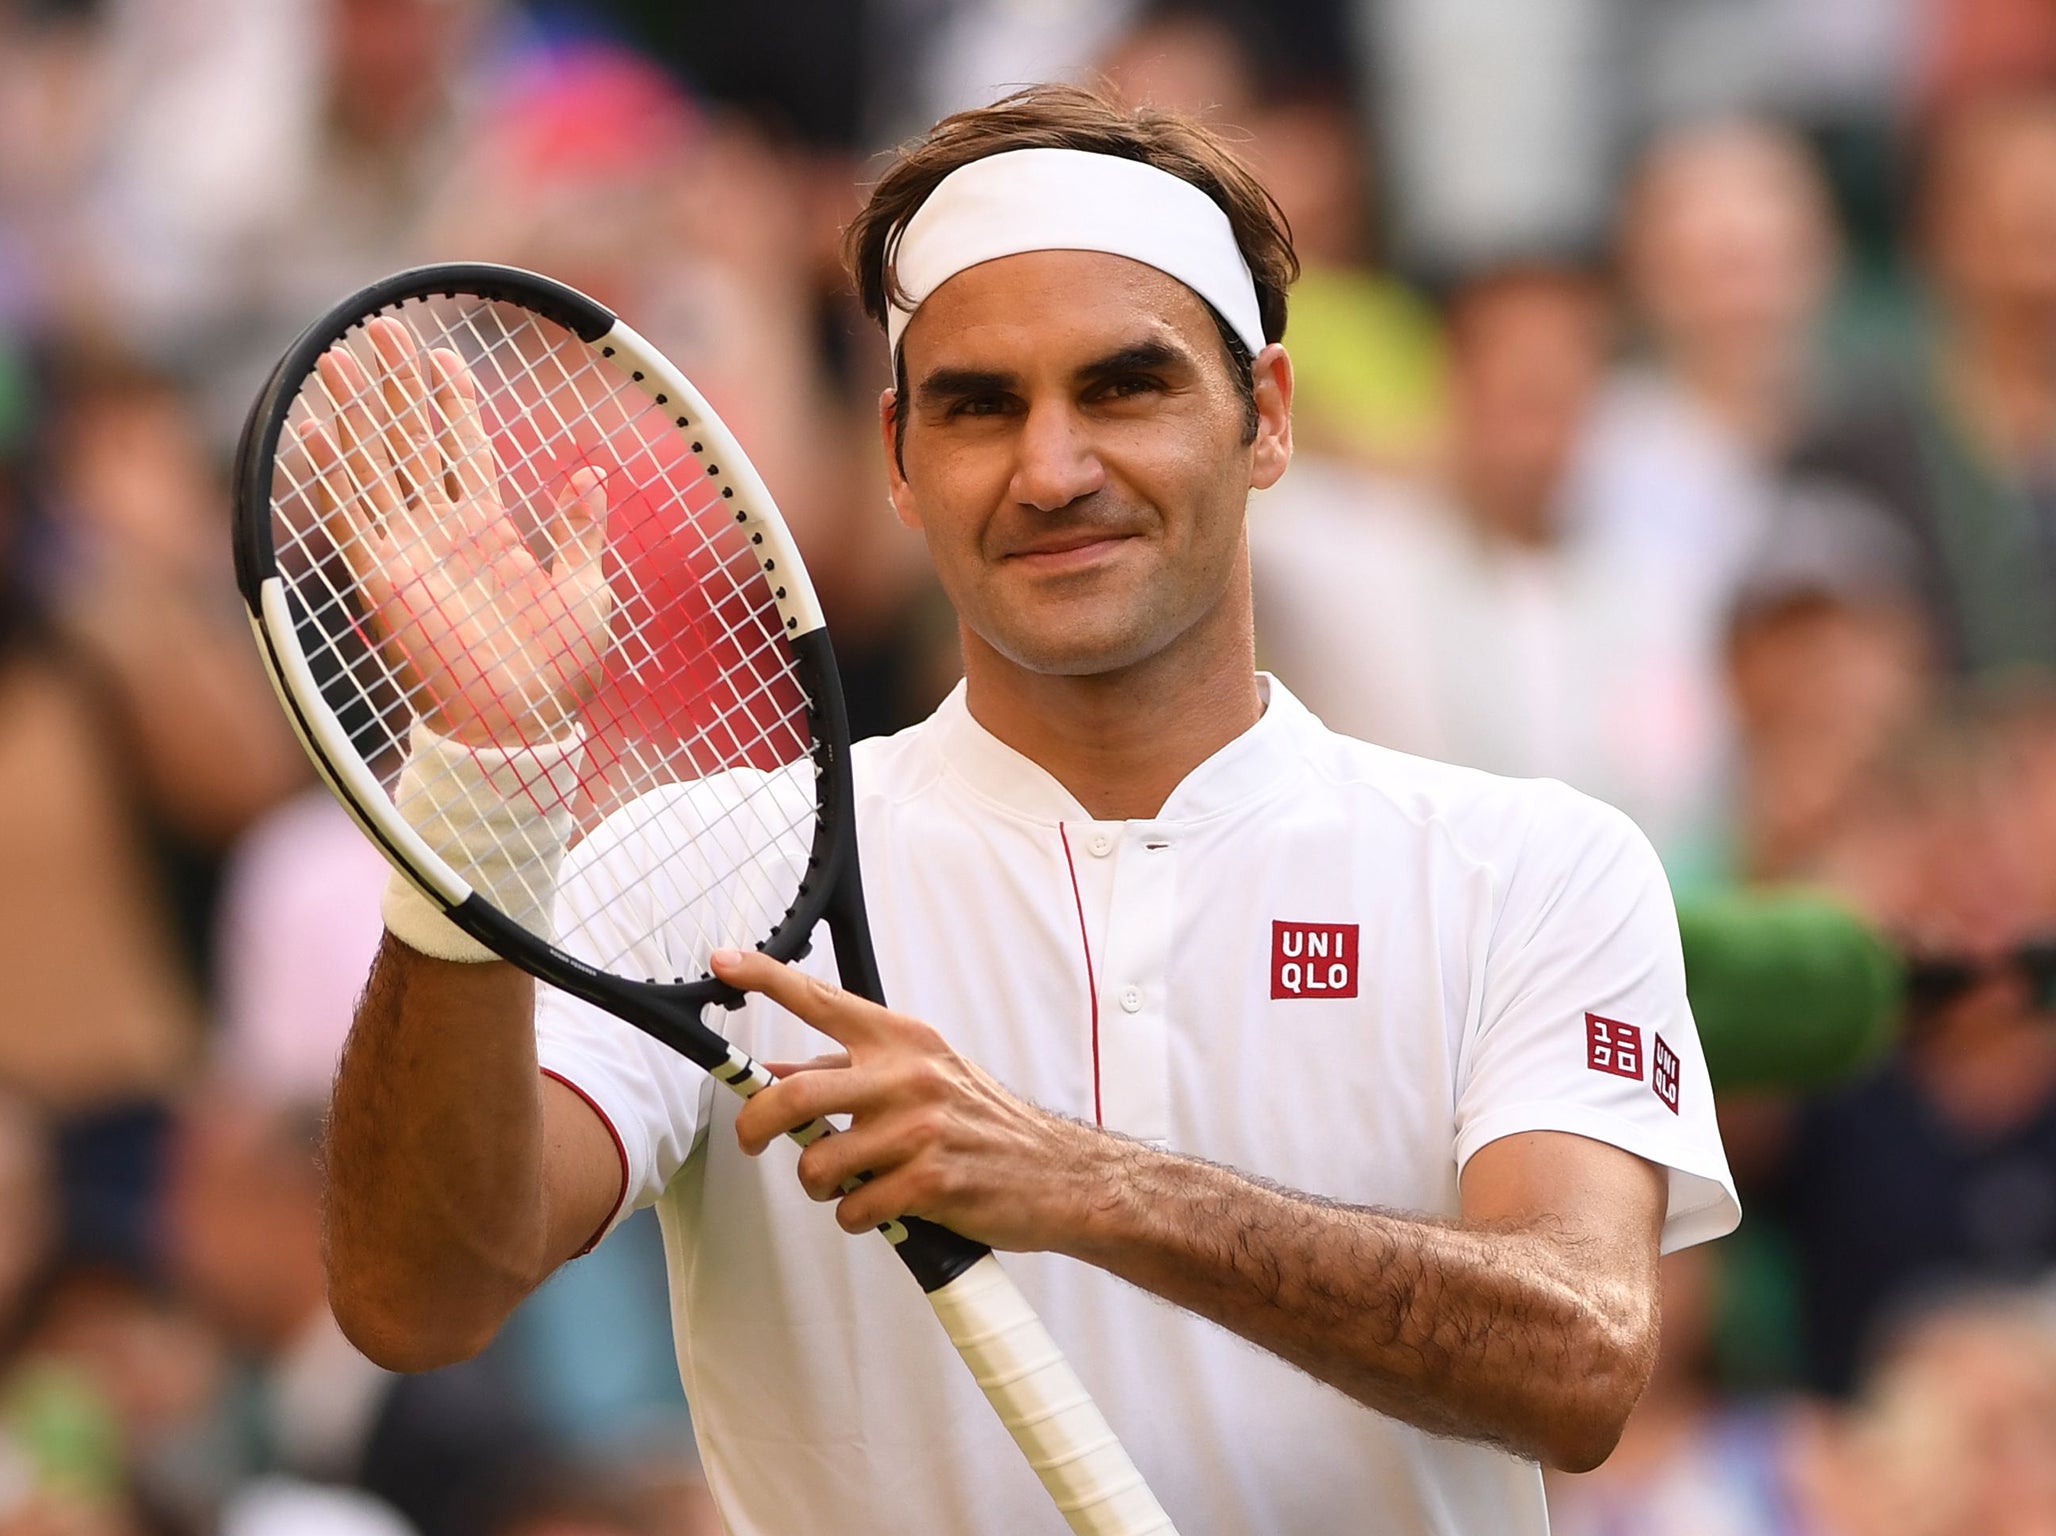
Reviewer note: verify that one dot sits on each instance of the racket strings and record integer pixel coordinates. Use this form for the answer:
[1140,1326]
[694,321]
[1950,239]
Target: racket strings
[696,743]
[648,772]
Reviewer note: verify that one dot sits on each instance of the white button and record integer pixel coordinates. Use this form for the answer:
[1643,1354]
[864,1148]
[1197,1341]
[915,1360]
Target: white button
[1131,1000]
[1100,844]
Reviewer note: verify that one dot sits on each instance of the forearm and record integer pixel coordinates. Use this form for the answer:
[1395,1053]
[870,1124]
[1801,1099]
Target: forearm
[1509,1326]
[438,1217]
[1498,1334]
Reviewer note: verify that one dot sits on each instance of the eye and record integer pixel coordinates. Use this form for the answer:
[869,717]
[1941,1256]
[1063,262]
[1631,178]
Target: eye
[978,405]
[1129,386]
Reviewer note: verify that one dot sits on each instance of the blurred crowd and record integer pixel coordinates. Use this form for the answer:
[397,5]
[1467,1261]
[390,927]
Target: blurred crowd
[1677,417]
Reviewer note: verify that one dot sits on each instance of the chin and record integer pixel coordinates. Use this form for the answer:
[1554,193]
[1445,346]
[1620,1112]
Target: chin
[1075,653]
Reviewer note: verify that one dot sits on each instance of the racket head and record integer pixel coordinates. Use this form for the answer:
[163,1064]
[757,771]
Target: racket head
[715,738]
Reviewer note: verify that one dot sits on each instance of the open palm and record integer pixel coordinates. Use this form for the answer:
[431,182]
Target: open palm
[495,646]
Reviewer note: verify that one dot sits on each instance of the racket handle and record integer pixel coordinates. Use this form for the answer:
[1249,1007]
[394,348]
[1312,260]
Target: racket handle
[1015,1362]
[1045,1407]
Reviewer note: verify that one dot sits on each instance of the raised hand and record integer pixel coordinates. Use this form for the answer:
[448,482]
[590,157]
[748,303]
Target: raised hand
[495,646]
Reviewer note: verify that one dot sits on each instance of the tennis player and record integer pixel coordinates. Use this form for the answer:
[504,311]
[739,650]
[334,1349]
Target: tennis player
[1337,1103]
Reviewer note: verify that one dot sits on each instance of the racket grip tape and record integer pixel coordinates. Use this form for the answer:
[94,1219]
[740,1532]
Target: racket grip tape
[1044,1406]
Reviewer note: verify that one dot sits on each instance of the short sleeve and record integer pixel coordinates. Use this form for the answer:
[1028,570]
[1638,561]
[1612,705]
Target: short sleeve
[648,893]
[1583,1025]
[651,1098]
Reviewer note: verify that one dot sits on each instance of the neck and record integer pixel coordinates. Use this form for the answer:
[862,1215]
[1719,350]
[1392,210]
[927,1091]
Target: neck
[1121,741]
[1754,391]
[1521,515]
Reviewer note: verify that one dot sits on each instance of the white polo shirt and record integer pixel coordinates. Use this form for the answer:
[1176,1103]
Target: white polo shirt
[1333,965]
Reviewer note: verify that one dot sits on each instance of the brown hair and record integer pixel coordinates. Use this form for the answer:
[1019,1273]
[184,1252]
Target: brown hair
[1068,117]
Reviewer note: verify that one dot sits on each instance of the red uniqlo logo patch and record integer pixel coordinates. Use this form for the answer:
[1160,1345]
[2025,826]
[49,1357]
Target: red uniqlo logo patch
[1663,1074]
[1611,1046]
[1313,959]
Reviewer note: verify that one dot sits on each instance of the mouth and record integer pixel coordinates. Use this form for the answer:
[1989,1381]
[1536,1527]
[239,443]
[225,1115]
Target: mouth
[1068,551]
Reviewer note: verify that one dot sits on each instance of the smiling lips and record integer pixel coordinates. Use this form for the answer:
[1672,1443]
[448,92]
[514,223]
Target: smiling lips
[1078,546]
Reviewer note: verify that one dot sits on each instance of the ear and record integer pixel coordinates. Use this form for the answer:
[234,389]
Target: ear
[902,493]
[1271,374]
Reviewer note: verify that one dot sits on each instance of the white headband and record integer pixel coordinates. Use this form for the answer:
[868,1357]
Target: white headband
[1071,200]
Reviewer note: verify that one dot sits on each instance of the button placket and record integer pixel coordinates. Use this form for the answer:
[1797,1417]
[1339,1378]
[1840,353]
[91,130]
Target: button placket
[1135,1070]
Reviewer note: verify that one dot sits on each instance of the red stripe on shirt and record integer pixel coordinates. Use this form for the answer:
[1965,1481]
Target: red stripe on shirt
[620,1151]
[1091,986]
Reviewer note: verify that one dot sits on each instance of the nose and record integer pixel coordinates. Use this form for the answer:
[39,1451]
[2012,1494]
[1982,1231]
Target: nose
[1055,463]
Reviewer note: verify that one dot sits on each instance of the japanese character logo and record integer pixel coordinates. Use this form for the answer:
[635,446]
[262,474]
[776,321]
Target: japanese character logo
[1611,1046]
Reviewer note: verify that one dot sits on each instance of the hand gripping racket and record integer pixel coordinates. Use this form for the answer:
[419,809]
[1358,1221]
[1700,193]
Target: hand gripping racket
[470,501]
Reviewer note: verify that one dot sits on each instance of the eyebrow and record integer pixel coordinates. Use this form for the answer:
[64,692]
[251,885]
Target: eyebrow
[946,384]
[1137,357]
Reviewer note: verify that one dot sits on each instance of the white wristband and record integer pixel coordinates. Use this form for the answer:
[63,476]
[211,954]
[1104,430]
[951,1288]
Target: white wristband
[498,818]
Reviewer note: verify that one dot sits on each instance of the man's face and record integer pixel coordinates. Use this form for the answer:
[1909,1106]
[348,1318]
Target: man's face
[1076,456]
[1527,354]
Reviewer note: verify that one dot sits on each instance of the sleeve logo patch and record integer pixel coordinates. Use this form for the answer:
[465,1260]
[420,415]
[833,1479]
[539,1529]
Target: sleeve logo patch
[1663,1074]
[1611,1046]
[1313,959]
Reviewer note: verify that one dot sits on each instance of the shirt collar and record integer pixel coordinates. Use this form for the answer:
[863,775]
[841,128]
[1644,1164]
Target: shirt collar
[1261,761]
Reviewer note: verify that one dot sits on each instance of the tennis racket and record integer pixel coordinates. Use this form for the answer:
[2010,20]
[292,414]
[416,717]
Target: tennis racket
[470,499]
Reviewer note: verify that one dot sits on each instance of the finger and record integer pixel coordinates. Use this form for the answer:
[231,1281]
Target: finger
[578,531]
[843,1016]
[409,434]
[833,1166]
[467,451]
[811,1064]
[327,486]
[363,451]
[377,567]
[884,1197]
[792,1102]
[344,516]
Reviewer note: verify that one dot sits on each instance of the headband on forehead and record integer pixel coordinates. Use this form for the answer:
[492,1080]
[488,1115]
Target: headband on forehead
[1071,200]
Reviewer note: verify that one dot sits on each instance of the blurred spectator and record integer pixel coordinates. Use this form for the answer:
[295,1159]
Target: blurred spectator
[2026,772]
[1692,1464]
[124,773]
[28,1214]
[1500,123]
[1817,64]
[141,571]
[98,1008]
[1956,1431]
[1489,624]
[298,926]
[636,1501]
[1940,1169]
[279,1506]
[269,158]
[1976,46]
[52,102]
[117,1391]
[1830,669]
[1727,247]
[1961,452]
[450,1450]
[928,58]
